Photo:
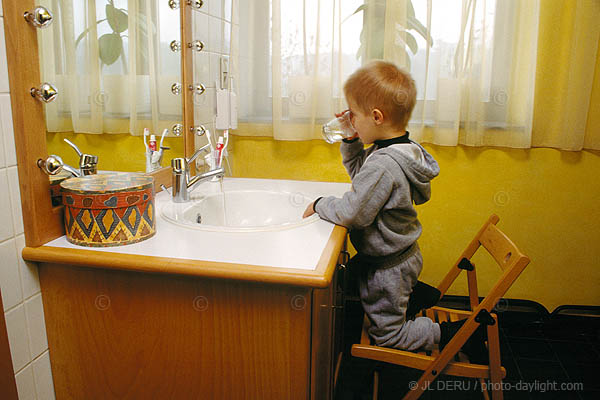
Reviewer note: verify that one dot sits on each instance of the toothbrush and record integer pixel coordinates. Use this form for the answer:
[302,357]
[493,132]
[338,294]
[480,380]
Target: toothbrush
[165,131]
[146,133]
[148,152]
[224,146]
[219,151]
[157,155]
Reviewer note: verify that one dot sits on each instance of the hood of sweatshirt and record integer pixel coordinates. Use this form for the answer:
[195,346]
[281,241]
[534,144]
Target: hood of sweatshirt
[420,169]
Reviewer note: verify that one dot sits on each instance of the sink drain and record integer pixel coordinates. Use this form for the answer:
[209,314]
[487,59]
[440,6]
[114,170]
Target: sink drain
[199,219]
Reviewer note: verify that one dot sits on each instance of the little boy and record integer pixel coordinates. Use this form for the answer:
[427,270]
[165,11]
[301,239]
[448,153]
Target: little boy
[387,178]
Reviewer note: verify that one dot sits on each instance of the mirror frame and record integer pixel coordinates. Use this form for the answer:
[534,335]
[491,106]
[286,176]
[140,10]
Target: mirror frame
[42,222]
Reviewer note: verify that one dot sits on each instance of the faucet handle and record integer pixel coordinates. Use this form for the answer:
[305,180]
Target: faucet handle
[197,153]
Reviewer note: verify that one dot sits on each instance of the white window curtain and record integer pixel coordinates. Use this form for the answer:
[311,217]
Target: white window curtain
[473,62]
[112,65]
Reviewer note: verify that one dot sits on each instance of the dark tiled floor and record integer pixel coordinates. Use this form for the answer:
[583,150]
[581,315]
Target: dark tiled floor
[542,354]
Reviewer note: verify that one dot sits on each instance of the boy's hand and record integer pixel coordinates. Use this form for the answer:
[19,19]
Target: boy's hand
[337,115]
[310,210]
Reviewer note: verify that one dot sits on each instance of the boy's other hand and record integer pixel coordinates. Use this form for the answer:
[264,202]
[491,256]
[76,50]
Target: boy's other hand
[310,210]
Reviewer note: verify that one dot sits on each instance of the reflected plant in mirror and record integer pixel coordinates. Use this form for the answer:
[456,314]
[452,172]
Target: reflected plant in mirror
[112,64]
[111,44]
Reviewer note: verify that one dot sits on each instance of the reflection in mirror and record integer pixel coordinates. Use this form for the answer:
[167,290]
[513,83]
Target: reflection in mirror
[113,66]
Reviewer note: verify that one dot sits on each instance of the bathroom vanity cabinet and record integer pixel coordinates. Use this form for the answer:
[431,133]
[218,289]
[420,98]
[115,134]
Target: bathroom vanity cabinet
[124,334]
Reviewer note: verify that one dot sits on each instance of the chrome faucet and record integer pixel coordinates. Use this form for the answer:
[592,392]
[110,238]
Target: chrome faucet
[88,164]
[182,184]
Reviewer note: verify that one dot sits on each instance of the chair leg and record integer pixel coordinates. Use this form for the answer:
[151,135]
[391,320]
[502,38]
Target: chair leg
[494,353]
[486,396]
[375,384]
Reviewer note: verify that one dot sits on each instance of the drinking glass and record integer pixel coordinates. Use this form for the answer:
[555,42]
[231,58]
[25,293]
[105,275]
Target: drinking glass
[338,128]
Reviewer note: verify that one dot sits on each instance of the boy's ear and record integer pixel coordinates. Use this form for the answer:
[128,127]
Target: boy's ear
[377,116]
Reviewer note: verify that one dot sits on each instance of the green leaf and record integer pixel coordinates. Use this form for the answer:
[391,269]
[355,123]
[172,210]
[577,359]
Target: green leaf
[117,19]
[415,24]
[360,8]
[111,46]
[411,10]
[85,32]
[408,39]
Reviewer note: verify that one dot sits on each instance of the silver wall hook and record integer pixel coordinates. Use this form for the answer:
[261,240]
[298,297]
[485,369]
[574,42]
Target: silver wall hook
[51,165]
[197,88]
[177,129]
[196,45]
[40,17]
[45,93]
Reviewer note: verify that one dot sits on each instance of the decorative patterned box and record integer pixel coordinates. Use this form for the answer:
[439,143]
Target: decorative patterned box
[109,209]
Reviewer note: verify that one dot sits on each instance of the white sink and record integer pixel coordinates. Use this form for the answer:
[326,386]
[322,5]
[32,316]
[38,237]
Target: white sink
[241,211]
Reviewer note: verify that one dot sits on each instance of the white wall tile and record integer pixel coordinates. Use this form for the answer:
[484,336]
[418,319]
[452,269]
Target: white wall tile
[15,199]
[200,28]
[215,8]
[7,130]
[6,223]
[16,325]
[9,275]
[26,384]
[43,378]
[204,107]
[215,34]
[30,280]
[34,311]
[215,68]
[2,152]
[201,68]
[4,88]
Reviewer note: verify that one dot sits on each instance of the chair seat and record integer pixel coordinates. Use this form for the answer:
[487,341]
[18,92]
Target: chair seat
[421,360]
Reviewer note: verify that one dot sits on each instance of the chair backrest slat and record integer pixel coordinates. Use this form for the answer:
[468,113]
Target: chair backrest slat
[500,247]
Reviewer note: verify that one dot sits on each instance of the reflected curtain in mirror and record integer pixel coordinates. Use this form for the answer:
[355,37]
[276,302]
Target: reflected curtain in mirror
[112,64]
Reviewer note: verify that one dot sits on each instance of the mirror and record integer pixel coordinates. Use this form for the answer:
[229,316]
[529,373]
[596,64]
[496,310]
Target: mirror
[114,63]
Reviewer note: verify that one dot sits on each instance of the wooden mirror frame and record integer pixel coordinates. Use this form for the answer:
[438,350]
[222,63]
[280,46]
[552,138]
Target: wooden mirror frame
[42,222]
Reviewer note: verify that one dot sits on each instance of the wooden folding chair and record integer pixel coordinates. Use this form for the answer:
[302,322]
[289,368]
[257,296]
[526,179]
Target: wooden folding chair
[512,262]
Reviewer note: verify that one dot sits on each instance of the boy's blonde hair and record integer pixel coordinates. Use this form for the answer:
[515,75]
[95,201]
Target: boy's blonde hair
[382,85]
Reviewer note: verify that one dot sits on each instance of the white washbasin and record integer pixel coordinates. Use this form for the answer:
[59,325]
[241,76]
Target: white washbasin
[241,211]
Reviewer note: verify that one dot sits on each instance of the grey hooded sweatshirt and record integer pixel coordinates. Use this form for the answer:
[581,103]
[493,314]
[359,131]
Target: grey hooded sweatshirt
[386,179]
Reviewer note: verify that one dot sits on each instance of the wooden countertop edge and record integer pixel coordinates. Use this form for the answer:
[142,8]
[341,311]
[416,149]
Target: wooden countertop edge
[320,277]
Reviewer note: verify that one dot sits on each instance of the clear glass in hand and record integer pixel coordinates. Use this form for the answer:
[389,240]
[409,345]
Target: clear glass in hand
[338,129]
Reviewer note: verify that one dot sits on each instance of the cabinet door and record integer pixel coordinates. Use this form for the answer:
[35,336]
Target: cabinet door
[326,337]
[321,343]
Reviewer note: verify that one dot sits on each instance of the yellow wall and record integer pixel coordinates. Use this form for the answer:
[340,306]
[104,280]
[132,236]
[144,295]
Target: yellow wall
[116,152]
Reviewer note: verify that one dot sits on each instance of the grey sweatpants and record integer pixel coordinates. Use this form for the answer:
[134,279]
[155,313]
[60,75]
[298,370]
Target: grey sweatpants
[384,287]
